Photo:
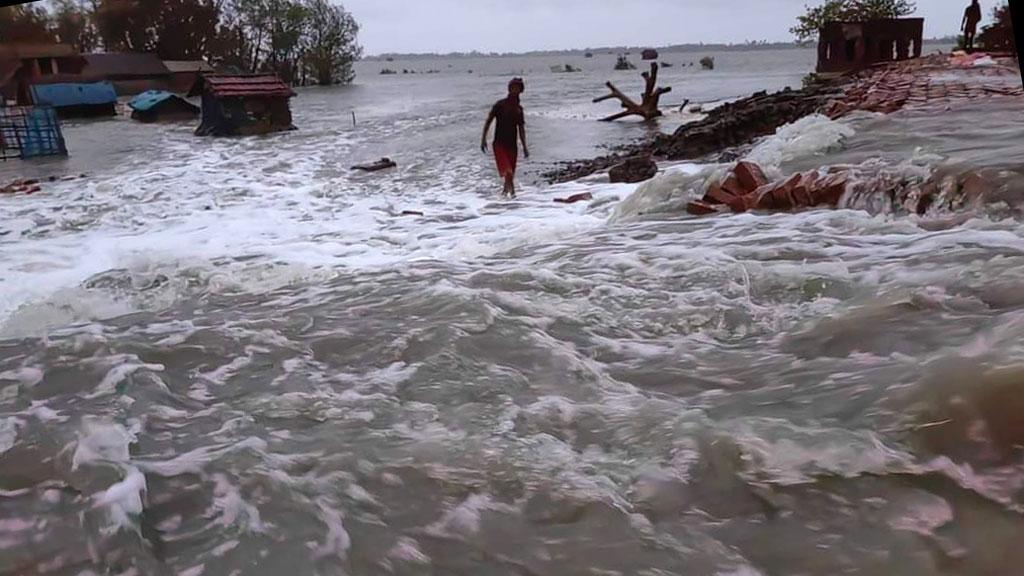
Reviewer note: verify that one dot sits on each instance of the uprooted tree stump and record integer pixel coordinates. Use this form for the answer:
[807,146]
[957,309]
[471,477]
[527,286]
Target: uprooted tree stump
[648,106]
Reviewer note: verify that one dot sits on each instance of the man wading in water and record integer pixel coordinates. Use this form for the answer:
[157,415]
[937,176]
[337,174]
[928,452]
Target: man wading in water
[970,24]
[511,123]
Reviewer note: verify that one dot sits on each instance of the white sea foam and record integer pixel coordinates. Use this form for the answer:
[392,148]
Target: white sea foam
[804,138]
[8,433]
[408,550]
[102,442]
[337,541]
[123,500]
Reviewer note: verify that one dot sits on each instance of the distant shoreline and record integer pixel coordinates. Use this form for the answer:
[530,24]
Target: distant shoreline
[746,47]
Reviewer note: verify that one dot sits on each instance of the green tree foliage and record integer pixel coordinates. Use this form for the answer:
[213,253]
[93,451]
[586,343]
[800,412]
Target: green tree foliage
[25,23]
[173,29]
[301,40]
[331,43]
[814,19]
[998,36]
[73,24]
[125,25]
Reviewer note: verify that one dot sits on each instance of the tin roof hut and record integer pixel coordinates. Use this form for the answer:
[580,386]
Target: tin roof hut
[161,106]
[184,73]
[243,105]
[130,73]
[73,98]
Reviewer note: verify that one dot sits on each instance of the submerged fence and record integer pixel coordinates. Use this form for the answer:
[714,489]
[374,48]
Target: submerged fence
[30,131]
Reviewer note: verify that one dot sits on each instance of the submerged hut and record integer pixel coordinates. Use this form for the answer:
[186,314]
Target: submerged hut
[161,106]
[77,99]
[130,73]
[241,105]
[22,65]
[184,73]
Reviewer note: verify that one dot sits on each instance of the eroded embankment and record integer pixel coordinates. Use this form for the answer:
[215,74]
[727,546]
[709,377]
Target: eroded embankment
[937,82]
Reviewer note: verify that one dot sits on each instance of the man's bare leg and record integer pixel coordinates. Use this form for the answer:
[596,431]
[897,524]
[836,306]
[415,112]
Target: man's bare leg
[510,185]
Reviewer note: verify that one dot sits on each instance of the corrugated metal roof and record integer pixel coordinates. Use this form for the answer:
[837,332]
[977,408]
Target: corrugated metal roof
[221,86]
[125,65]
[148,99]
[151,98]
[176,66]
[62,95]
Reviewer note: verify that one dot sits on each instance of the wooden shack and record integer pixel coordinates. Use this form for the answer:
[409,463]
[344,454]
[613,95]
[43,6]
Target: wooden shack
[129,73]
[184,73]
[24,64]
[241,105]
[847,46]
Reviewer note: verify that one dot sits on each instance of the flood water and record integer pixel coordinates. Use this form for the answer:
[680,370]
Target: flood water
[235,356]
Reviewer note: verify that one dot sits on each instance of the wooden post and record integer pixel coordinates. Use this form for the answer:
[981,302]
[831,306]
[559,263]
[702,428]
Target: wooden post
[648,106]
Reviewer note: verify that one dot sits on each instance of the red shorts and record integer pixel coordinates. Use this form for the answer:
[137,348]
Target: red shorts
[505,158]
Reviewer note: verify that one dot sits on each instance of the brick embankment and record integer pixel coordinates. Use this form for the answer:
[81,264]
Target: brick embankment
[938,80]
[926,82]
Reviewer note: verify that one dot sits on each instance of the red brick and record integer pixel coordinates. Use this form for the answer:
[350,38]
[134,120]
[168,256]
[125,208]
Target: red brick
[731,184]
[698,208]
[750,176]
[715,195]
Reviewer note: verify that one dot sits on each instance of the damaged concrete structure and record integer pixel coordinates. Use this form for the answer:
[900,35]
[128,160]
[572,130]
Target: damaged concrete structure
[846,46]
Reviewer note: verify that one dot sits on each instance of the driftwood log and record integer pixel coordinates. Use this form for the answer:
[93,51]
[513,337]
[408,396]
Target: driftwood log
[648,106]
[382,164]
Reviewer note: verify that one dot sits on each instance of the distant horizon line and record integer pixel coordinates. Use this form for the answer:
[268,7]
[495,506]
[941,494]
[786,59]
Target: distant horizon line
[749,45]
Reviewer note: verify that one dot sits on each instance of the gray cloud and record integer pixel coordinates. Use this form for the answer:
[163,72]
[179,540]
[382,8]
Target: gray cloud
[520,25]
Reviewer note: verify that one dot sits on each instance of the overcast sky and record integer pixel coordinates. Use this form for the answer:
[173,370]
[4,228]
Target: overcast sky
[523,25]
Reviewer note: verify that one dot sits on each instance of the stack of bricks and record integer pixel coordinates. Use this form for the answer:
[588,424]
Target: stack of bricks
[913,84]
[746,187]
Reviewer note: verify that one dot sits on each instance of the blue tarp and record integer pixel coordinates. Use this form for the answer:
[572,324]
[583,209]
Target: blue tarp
[63,95]
[149,99]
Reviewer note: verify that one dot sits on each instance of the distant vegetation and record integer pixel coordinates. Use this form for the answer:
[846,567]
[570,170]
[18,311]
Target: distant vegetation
[678,48]
[815,18]
[304,41]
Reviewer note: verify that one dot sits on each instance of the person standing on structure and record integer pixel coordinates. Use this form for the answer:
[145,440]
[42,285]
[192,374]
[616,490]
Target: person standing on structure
[969,26]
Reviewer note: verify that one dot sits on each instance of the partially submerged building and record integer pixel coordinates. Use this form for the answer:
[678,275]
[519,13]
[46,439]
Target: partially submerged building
[847,46]
[184,73]
[22,65]
[240,105]
[76,99]
[129,73]
[161,106]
